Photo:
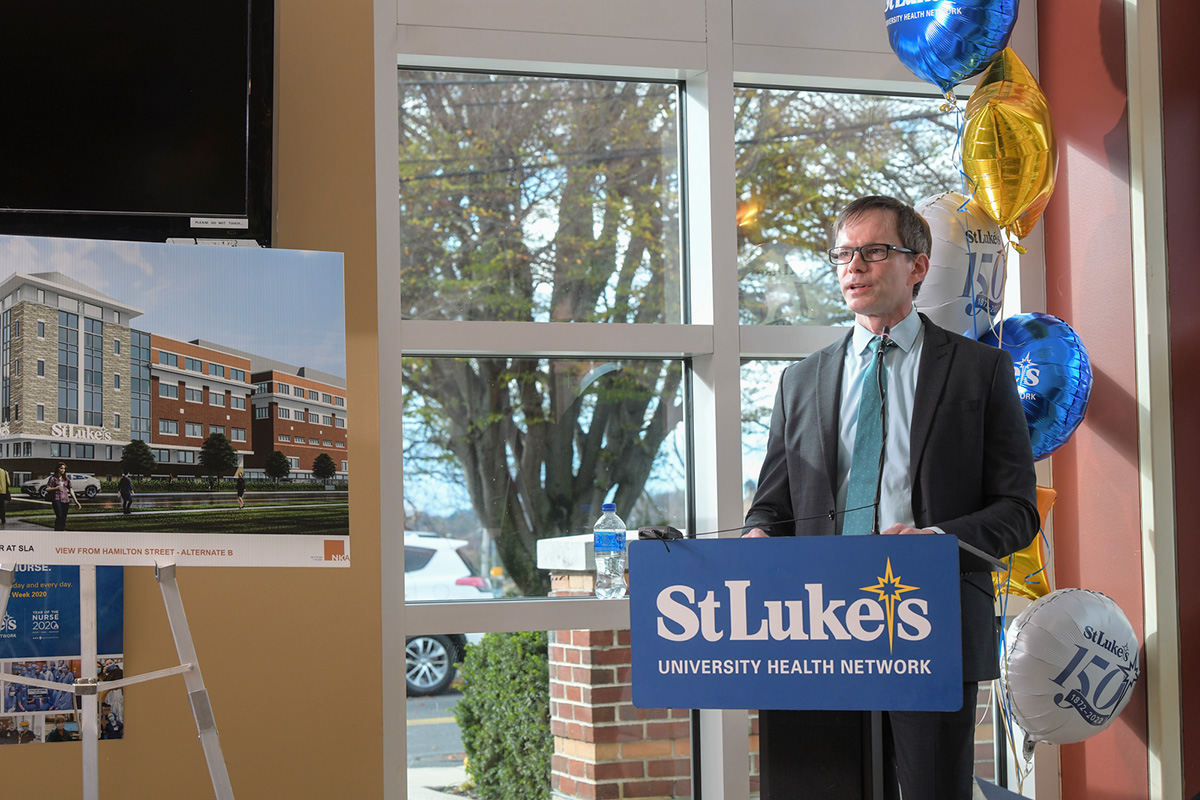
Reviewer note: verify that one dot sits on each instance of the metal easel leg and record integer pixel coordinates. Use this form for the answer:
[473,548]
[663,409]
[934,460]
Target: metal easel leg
[206,726]
[85,687]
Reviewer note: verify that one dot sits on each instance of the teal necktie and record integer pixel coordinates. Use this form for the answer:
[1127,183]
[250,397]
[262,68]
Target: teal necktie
[867,459]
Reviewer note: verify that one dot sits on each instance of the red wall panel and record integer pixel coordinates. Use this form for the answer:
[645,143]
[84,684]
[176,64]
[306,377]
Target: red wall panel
[1089,284]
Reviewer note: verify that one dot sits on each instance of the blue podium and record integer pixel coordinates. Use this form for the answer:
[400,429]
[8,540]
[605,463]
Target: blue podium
[841,628]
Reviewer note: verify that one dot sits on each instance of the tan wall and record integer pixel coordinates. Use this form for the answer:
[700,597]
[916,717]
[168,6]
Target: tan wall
[291,657]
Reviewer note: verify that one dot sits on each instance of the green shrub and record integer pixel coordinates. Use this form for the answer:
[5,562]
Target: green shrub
[504,716]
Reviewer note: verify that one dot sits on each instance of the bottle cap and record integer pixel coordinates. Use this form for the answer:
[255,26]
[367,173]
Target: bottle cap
[607,507]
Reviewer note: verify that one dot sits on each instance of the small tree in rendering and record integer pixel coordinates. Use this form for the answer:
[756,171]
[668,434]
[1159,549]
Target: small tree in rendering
[137,459]
[217,456]
[323,467]
[278,466]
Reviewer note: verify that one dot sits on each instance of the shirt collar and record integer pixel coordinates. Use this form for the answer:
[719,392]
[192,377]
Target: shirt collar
[903,333]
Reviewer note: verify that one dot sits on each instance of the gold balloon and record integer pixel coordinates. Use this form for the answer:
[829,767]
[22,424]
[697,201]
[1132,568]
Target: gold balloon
[1009,152]
[1028,577]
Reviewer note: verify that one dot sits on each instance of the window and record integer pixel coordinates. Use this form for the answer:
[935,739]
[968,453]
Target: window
[16,329]
[161,455]
[340,444]
[326,398]
[339,401]
[345,466]
[168,390]
[186,456]
[68,367]
[298,391]
[116,380]
[295,462]
[193,364]
[117,421]
[283,388]
[327,443]
[216,398]
[301,440]
[193,429]
[564,145]
[313,395]
[169,359]
[285,413]
[238,375]
[41,329]
[237,434]
[116,347]
[85,451]
[237,401]
[28,449]
[168,427]
[338,422]
[41,367]
[326,419]
[216,429]
[41,412]
[262,388]
[262,412]
[216,369]
[60,450]
[899,146]
[16,367]
[283,437]
[193,395]
[41,296]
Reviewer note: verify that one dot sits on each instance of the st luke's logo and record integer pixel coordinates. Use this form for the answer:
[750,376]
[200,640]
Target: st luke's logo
[727,613]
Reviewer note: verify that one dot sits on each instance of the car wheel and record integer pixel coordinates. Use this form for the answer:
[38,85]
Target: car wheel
[42,492]
[91,491]
[429,664]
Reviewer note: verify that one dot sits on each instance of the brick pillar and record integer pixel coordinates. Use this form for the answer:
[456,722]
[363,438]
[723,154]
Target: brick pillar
[604,748]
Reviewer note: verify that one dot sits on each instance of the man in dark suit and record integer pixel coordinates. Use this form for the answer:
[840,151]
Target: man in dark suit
[956,460]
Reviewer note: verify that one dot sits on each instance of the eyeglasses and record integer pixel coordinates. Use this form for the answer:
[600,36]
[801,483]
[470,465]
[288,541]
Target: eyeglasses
[869,252]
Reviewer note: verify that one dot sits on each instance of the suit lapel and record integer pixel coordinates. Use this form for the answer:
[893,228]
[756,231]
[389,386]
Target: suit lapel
[931,379]
[829,396]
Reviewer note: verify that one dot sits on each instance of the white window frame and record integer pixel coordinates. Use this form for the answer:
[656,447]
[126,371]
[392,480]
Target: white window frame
[711,45]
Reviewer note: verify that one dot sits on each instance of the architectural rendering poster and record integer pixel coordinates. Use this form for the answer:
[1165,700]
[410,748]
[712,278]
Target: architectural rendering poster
[170,403]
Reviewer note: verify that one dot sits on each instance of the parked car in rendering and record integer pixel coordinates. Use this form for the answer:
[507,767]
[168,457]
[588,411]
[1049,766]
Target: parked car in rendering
[86,485]
[436,568]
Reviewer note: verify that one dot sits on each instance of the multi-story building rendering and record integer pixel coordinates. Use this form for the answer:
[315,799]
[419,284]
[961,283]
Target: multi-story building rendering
[195,392]
[78,384]
[298,411]
[65,379]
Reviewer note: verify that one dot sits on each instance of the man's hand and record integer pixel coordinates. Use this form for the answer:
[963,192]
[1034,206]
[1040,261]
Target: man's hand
[755,533]
[905,529]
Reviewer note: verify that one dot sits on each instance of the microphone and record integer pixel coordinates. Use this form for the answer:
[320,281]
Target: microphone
[884,344]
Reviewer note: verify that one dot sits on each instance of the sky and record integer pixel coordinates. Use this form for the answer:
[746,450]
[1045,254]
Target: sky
[288,305]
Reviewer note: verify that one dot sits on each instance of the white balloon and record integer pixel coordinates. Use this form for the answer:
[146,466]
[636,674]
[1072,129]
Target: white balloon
[1069,667]
[965,283]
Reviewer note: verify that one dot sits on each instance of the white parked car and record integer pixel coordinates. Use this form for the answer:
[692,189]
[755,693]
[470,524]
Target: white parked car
[86,485]
[436,568]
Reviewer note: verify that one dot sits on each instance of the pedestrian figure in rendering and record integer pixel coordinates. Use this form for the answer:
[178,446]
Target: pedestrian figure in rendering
[241,489]
[125,489]
[61,494]
[4,493]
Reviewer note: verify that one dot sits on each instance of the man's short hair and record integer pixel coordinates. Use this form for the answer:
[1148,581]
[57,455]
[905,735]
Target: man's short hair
[910,226]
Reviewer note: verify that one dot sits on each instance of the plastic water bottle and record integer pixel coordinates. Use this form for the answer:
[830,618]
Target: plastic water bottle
[609,543]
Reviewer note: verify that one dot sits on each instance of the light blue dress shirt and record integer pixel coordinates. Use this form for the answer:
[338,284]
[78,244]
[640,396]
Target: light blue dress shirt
[903,361]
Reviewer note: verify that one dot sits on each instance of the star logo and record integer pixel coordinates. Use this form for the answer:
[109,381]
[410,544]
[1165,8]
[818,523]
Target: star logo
[1026,372]
[889,588]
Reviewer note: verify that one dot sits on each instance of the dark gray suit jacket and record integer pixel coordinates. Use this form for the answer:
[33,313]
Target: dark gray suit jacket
[971,464]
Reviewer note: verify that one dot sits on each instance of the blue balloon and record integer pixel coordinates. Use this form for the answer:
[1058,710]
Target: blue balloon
[1053,374]
[947,41]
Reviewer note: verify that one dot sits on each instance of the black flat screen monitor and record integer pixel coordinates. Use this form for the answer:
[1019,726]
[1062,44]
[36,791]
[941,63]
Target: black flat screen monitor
[137,119]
